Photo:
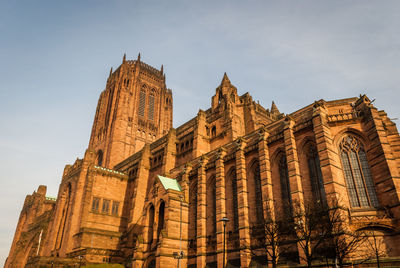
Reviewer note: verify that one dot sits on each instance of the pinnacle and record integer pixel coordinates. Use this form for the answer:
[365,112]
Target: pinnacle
[225,80]
[274,109]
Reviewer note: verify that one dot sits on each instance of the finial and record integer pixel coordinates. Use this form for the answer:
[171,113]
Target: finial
[162,68]
[124,59]
[111,70]
[138,57]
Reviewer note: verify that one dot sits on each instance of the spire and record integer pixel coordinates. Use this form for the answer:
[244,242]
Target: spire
[138,57]
[111,70]
[124,58]
[162,69]
[225,80]
[274,109]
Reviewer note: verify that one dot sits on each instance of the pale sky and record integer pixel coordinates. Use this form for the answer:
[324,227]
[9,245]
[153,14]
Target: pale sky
[56,55]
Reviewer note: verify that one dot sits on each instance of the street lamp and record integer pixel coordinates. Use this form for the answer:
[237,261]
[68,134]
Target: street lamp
[224,221]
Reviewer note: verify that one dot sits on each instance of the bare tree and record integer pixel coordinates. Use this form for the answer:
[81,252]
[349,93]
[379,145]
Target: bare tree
[340,238]
[276,233]
[375,248]
[309,221]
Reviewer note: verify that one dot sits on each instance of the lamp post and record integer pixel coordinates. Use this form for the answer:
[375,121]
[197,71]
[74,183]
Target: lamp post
[224,221]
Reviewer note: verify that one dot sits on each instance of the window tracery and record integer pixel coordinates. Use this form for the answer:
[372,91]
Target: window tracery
[360,185]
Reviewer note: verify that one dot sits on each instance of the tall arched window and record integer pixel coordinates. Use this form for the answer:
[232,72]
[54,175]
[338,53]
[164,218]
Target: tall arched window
[317,184]
[285,185]
[360,185]
[212,204]
[151,107]
[161,213]
[258,192]
[142,101]
[193,190]
[235,220]
[151,224]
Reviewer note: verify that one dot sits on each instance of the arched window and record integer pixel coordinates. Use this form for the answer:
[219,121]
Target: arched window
[193,190]
[151,107]
[212,204]
[151,224]
[258,192]
[161,213]
[285,186]
[235,220]
[360,185]
[317,184]
[142,101]
[100,158]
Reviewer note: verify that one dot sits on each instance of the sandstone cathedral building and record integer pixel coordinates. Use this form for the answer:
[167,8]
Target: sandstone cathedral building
[146,194]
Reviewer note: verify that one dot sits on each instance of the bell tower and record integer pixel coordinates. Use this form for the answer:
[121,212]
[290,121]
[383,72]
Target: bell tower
[134,109]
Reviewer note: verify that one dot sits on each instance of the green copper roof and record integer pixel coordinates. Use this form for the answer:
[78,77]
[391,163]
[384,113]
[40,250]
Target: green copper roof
[169,183]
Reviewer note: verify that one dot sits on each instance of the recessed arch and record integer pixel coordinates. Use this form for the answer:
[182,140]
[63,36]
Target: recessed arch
[356,171]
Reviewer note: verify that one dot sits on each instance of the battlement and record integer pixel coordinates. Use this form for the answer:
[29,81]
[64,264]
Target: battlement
[146,67]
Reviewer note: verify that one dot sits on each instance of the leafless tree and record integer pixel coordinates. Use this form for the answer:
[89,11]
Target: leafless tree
[276,236]
[375,248]
[340,238]
[309,221]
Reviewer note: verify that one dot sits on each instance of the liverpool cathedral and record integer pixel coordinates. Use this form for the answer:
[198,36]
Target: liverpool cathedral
[147,194]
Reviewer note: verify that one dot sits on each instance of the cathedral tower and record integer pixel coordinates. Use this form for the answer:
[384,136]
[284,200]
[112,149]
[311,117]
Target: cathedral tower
[134,109]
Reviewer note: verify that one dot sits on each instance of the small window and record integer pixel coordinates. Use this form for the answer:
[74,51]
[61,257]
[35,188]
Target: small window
[213,131]
[95,204]
[99,158]
[106,206]
[115,208]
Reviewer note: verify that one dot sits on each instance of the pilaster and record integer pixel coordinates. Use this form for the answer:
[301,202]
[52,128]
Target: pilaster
[200,143]
[332,174]
[243,206]
[201,213]
[293,165]
[139,195]
[221,206]
[265,175]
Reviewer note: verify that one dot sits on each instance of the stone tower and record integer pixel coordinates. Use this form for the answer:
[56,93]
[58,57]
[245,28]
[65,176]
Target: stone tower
[134,109]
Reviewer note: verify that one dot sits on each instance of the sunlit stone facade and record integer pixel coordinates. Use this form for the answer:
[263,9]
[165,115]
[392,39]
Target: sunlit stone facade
[235,160]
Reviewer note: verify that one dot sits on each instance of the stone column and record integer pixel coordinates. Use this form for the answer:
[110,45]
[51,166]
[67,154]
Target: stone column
[265,175]
[201,213]
[296,188]
[221,206]
[243,206]
[332,175]
[293,165]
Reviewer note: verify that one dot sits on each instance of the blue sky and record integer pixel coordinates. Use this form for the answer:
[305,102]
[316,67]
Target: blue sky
[56,55]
